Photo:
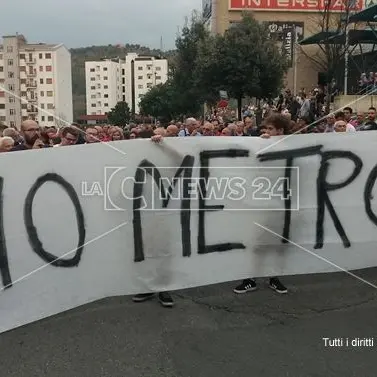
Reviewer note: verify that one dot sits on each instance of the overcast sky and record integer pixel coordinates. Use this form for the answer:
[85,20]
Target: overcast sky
[79,23]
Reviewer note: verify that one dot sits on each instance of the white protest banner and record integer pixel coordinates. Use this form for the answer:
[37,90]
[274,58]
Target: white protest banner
[121,224]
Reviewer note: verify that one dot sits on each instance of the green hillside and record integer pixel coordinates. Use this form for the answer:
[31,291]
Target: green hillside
[80,55]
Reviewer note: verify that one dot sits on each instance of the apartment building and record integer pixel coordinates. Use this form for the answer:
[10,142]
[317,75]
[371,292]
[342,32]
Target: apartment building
[35,82]
[110,81]
[103,85]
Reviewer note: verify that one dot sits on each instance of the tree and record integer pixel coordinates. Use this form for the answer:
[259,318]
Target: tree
[120,114]
[330,51]
[191,96]
[244,62]
[159,102]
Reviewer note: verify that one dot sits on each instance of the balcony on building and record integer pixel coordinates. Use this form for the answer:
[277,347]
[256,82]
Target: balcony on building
[32,110]
[30,61]
[31,84]
[31,74]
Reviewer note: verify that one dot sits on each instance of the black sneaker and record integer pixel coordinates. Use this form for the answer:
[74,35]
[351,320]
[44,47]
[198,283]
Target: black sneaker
[165,300]
[277,286]
[143,297]
[248,285]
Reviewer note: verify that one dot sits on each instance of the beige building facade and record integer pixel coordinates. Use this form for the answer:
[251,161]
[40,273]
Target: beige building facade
[293,20]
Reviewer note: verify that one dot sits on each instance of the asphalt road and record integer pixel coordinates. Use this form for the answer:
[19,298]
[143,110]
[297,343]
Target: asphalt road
[211,332]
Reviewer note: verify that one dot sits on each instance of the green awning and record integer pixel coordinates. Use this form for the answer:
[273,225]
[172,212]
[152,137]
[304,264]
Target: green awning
[366,15]
[355,37]
[323,37]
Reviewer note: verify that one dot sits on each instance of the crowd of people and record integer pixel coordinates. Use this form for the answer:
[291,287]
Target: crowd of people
[31,136]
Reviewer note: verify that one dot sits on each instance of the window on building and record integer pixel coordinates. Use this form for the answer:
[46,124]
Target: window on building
[158,68]
[2,81]
[123,72]
[124,98]
[41,81]
[50,106]
[106,87]
[11,75]
[140,68]
[106,105]
[124,89]
[98,86]
[140,77]
[99,95]
[2,118]
[23,81]
[92,79]
[94,113]
[11,87]
[98,68]
[43,118]
[93,96]
[10,49]
[149,67]
[93,105]
[2,105]
[24,106]
[50,118]
[50,93]
[49,81]
[42,105]
[22,56]
[12,112]
[105,69]
[93,87]
[105,78]
[12,123]
[48,55]
[42,93]
[106,96]
[1,69]
[22,68]
[23,94]
[48,68]
[10,61]
[40,56]
[92,70]
[11,99]
[98,77]
[140,86]
[149,85]
[41,68]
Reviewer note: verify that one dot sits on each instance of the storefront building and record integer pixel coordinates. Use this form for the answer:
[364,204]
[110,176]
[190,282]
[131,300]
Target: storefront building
[290,20]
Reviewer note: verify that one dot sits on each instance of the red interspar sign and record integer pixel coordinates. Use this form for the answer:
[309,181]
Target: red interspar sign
[295,5]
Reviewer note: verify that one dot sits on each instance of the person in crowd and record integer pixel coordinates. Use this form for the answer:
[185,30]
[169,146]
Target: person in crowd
[274,125]
[91,135]
[190,128]
[172,130]
[341,116]
[14,134]
[106,133]
[226,132]
[348,113]
[370,124]
[330,121]
[30,133]
[207,129]
[69,136]
[340,126]
[6,144]
[115,134]
[2,128]
[164,298]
